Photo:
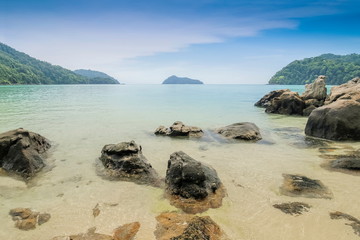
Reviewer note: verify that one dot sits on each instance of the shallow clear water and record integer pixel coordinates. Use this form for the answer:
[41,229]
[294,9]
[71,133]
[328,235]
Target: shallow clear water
[80,120]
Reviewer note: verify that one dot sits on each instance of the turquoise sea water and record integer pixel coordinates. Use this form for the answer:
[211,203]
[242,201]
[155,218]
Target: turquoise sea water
[81,119]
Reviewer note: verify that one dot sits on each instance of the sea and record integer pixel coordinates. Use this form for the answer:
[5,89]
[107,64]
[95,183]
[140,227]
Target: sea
[80,119]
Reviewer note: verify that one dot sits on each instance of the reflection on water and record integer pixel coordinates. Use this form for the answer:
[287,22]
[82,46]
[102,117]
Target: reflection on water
[80,120]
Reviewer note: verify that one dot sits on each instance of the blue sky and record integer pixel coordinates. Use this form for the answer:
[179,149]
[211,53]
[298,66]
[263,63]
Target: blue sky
[145,41]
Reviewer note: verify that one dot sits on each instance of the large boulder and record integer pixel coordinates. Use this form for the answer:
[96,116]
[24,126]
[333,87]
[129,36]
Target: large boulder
[191,185]
[315,90]
[346,91]
[266,100]
[339,120]
[288,103]
[125,161]
[179,129]
[242,131]
[22,152]
[177,226]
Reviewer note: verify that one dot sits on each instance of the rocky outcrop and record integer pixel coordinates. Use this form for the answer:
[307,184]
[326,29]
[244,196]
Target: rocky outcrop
[26,219]
[125,161]
[242,131]
[346,91]
[339,120]
[22,152]
[177,226]
[287,102]
[293,208]
[297,185]
[315,90]
[266,100]
[125,232]
[191,185]
[179,129]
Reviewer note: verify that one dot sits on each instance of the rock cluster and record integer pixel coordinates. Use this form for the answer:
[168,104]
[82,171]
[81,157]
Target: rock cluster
[339,119]
[291,103]
[242,131]
[191,185]
[177,226]
[125,161]
[179,129]
[26,219]
[22,152]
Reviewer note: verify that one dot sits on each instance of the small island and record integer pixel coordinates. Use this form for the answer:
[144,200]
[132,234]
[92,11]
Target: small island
[181,80]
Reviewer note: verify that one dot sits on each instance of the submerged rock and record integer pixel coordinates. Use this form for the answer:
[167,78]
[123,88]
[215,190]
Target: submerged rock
[354,222]
[125,161]
[297,185]
[242,131]
[339,120]
[26,219]
[346,163]
[192,186]
[176,226]
[179,129]
[266,100]
[125,232]
[22,152]
[293,208]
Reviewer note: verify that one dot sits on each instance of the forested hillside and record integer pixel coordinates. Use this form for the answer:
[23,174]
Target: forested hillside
[19,68]
[337,68]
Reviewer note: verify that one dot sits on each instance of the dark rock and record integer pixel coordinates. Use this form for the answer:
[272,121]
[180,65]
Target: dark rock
[354,222]
[125,161]
[339,120]
[176,226]
[178,129]
[315,90]
[307,111]
[22,152]
[296,185]
[191,185]
[127,231]
[266,100]
[293,208]
[288,103]
[347,163]
[241,131]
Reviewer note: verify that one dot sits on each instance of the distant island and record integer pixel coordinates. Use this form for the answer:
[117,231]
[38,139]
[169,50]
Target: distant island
[19,68]
[338,69]
[181,80]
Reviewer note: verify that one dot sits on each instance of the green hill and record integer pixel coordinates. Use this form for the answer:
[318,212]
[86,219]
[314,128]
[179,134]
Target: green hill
[337,68]
[96,75]
[19,68]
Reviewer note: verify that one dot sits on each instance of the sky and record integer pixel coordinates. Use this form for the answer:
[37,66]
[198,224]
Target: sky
[146,41]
